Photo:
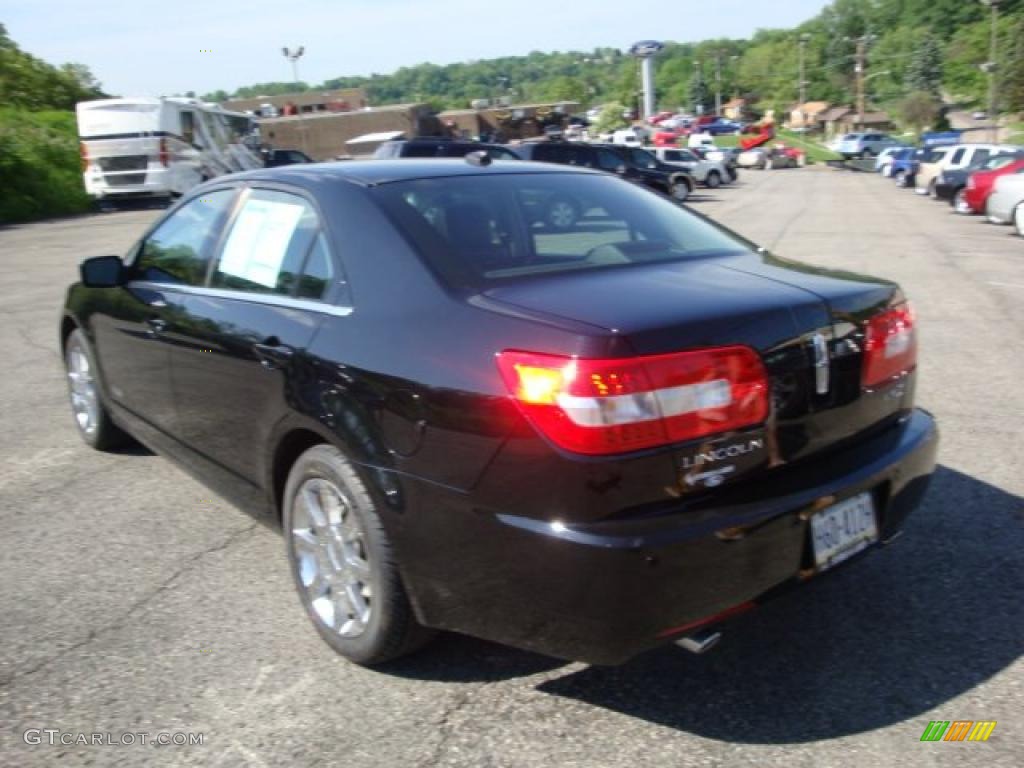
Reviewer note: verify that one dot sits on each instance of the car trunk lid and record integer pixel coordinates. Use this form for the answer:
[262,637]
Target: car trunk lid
[791,314]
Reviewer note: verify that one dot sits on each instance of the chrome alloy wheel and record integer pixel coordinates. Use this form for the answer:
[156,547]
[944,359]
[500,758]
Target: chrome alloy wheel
[331,556]
[85,402]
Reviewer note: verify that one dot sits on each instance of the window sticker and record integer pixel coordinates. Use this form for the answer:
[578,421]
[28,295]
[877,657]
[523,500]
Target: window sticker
[259,241]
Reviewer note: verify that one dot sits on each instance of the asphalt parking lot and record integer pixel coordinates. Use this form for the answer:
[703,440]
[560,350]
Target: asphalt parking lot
[133,600]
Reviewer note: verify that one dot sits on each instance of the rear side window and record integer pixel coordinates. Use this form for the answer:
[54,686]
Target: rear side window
[957,157]
[273,239]
[178,251]
[607,160]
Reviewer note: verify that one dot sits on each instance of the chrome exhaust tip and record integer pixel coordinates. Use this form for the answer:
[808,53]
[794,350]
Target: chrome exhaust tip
[701,642]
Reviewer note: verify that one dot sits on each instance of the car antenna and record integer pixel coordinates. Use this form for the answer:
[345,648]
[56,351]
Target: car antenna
[480,158]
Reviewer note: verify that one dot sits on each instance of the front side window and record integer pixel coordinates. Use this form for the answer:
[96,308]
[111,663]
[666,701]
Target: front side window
[270,241]
[178,251]
[957,157]
[476,230]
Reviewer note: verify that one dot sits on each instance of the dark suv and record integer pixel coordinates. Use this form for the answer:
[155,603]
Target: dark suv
[440,147]
[273,158]
[633,163]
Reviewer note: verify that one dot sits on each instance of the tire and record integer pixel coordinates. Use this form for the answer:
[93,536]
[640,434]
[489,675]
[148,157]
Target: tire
[932,193]
[713,180]
[902,179]
[92,418]
[960,204]
[360,609]
[679,191]
[562,213]
[1018,219]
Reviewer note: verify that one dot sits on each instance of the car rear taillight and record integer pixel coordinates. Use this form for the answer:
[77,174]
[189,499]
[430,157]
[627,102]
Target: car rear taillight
[601,407]
[890,346]
[83,154]
[165,156]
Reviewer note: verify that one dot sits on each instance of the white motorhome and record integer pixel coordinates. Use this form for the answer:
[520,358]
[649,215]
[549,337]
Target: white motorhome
[146,147]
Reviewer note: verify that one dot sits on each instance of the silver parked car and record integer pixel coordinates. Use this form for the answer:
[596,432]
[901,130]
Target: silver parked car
[710,173]
[865,144]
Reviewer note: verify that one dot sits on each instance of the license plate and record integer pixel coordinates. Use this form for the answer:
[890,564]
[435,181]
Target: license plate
[842,530]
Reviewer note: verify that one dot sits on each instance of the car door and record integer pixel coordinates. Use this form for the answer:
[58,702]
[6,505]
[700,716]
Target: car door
[241,336]
[132,336]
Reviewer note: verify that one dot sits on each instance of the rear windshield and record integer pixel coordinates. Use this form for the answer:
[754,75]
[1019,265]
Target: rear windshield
[478,230]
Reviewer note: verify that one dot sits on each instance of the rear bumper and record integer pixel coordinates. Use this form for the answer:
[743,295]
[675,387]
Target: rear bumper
[604,592]
[156,183]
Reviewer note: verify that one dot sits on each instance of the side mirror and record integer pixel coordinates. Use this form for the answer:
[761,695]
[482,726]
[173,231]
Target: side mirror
[102,272]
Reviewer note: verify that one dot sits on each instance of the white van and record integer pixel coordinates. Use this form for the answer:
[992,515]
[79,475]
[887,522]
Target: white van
[627,138]
[145,147]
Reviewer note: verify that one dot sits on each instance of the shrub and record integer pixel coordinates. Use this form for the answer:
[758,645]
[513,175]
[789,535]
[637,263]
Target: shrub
[39,165]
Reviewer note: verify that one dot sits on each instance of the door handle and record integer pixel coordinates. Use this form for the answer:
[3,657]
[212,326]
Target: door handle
[272,353]
[156,324]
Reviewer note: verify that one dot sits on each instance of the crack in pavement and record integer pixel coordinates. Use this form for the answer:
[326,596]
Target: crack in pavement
[166,585]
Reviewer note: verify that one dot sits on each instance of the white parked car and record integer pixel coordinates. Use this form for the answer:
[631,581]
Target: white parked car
[710,173]
[1006,203]
[953,158]
[630,137]
[701,140]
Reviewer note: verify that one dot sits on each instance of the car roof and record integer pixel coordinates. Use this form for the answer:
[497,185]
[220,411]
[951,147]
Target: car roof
[368,173]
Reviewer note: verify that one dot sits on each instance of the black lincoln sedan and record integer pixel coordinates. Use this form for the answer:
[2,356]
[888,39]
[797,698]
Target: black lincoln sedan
[583,440]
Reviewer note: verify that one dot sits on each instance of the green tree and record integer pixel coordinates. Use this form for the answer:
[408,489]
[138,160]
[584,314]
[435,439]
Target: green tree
[924,74]
[610,118]
[919,110]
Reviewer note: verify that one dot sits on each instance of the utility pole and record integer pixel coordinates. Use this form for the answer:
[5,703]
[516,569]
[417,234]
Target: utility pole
[862,44]
[992,68]
[718,83]
[804,38]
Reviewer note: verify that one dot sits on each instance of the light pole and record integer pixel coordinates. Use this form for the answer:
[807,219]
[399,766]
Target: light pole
[293,55]
[992,68]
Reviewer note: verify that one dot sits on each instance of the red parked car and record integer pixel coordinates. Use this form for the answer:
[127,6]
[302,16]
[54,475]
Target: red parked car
[979,185]
[667,138]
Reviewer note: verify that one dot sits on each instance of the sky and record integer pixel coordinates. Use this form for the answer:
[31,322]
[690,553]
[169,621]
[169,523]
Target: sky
[161,48]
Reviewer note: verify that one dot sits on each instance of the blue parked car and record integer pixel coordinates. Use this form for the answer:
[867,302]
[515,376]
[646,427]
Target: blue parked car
[720,127]
[905,163]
